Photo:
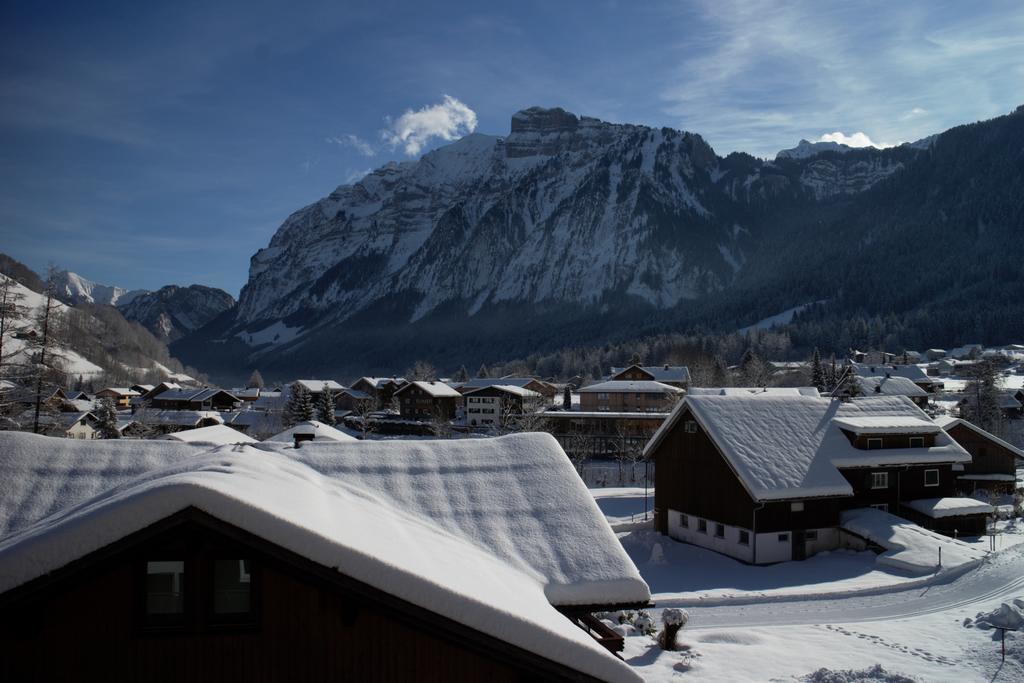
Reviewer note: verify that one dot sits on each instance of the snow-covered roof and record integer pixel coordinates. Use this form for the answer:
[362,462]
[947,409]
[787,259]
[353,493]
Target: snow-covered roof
[435,389]
[191,395]
[119,391]
[889,386]
[740,391]
[336,523]
[184,418]
[936,508]
[216,435]
[481,382]
[785,447]
[947,422]
[912,372]
[318,430]
[888,424]
[316,386]
[356,394]
[629,387]
[660,373]
[375,382]
[509,389]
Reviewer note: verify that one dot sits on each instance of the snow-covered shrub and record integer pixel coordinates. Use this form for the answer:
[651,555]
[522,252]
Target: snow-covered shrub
[644,623]
[673,619]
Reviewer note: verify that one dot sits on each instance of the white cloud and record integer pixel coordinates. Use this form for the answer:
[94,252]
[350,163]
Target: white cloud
[449,120]
[858,139]
[355,142]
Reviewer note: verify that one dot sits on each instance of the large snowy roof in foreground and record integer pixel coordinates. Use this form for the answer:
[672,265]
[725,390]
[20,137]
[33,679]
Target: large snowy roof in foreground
[791,446]
[345,523]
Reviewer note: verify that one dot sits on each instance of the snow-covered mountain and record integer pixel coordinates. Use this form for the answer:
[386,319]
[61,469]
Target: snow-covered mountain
[72,288]
[806,148]
[173,311]
[566,230]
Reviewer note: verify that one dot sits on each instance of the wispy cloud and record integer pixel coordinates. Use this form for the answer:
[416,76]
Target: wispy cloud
[758,75]
[355,142]
[858,139]
[412,130]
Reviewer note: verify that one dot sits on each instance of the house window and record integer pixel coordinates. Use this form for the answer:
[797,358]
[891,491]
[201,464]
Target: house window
[602,396]
[719,531]
[702,526]
[684,521]
[691,427]
[232,589]
[874,444]
[931,477]
[796,507]
[783,538]
[165,592]
[744,537]
[884,507]
[917,442]
[879,480]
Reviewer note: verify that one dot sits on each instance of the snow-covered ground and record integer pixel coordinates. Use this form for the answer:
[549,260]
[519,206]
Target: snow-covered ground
[840,611]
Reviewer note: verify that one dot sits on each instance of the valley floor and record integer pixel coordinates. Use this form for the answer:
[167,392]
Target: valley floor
[839,611]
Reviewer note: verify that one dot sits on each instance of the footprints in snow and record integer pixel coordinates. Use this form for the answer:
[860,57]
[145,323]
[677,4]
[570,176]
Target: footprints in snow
[876,640]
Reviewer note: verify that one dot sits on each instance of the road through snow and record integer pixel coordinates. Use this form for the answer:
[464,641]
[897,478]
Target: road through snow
[1001,575]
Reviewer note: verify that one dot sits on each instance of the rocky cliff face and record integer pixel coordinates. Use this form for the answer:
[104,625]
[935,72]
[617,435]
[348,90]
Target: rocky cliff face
[173,311]
[566,226]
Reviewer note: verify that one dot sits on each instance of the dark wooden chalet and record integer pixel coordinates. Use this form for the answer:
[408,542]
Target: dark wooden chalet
[673,375]
[546,389]
[215,580]
[629,396]
[382,389]
[353,400]
[994,462]
[195,399]
[421,400]
[764,478]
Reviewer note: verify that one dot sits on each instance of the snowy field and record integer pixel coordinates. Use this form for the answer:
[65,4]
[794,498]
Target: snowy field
[838,611]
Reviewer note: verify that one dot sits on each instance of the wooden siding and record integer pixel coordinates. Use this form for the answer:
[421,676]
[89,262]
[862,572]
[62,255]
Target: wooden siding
[417,404]
[905,483]
[313,624]
[987,456]
[692,476]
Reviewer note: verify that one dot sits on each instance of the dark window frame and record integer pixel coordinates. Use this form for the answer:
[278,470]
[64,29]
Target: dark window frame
[744,537]
[938,478]
[919,440]
[719,530]
[702,526]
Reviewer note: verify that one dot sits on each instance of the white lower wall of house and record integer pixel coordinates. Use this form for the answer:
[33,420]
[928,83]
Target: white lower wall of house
[729,544]
[828,539]
[775,546]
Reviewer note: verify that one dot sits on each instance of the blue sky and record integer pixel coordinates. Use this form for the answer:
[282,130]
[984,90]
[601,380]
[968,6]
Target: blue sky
[144,144]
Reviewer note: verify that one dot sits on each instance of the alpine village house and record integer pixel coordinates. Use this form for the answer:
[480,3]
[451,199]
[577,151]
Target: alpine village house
[164,561]
[765,478]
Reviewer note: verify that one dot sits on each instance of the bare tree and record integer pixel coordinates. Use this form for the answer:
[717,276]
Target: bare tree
[440,423]
[364,415]
[47,362]
[421,370]
[12,313]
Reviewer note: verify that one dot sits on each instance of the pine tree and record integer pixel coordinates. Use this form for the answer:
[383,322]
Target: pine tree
[106,414]
[299,407]
[567,397]
[482,373]
[719,373]
[817,371]
[983,398]
[325,407]
[462,375]
[255,380]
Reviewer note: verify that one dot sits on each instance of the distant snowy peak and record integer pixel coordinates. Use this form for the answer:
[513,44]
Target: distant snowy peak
[806,149]
[72,288]
[173,311]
